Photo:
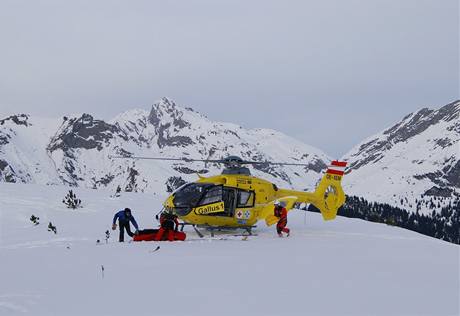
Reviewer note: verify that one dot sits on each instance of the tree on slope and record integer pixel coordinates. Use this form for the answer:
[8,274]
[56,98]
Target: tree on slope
[71,200]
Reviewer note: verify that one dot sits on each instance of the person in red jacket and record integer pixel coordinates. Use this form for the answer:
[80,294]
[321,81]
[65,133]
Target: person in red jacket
[169,224]
[281,213]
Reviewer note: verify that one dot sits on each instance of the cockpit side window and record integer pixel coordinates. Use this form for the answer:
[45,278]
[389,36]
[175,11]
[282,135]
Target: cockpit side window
[245,198]
[212,196]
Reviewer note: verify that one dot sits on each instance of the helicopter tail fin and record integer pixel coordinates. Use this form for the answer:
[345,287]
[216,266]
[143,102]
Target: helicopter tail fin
[329,193]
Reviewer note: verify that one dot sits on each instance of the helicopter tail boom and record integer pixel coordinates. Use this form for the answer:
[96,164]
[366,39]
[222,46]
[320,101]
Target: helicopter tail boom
[328,196]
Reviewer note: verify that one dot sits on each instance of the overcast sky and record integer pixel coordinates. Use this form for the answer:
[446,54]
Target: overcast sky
[328,72]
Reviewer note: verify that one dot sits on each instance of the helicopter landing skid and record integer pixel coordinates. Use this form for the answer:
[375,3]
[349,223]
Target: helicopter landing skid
[212,229]
[198,232]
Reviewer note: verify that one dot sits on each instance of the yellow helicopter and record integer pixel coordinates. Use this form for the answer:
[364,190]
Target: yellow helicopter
[236,199]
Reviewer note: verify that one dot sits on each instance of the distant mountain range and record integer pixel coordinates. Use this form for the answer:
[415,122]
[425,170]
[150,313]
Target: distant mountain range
[411,163]
[406,165]
[76,150]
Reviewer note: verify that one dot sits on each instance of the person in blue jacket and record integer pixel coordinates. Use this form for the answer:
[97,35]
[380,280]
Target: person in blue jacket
[124,217]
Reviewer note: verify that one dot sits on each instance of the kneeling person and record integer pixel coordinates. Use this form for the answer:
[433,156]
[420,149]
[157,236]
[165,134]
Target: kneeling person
[169,224]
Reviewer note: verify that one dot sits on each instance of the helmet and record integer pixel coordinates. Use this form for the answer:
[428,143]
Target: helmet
[280,203]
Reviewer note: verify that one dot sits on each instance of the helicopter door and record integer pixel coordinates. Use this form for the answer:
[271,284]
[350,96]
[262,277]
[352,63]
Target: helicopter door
[229,198]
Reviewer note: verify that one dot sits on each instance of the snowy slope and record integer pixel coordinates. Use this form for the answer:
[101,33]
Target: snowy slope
[410,163]
[76,150]
[343,267]
[23,155]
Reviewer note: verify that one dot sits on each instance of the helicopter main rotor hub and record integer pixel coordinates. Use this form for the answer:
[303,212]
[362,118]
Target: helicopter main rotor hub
[234,165]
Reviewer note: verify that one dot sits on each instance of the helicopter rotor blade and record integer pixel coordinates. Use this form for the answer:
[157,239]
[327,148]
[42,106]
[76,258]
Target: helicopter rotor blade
[220,161]
[274,163]
[166,159]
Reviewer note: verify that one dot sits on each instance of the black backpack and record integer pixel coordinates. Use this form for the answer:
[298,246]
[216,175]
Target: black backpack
[278,210]
[168,220]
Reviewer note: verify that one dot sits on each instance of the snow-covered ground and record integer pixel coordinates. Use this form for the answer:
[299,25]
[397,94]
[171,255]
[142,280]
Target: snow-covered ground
[343,267]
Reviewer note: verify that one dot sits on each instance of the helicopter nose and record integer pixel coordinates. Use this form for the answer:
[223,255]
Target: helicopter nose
[169,203]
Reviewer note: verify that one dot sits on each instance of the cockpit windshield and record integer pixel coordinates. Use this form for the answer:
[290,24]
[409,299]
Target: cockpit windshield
[193,195]
[190,194]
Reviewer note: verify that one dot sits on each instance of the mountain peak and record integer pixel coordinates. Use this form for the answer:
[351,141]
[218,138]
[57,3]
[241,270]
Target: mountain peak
[167,104]
[166,112]
[450,111]
[416,123]
[83,132]
[18,119]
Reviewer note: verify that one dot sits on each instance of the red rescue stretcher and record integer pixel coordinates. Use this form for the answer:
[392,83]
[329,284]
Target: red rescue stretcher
[149,235]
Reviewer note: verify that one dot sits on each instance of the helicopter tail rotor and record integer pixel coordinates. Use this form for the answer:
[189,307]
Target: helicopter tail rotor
[329,195]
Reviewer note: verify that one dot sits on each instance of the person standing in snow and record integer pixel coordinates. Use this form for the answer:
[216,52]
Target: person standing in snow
[124,217]
[169,224]
[281,212]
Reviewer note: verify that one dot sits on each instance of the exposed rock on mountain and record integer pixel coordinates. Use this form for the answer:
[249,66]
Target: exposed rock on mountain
[410,163]
[77,150]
